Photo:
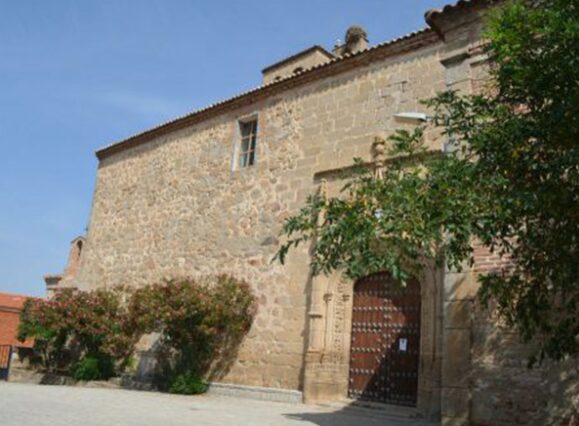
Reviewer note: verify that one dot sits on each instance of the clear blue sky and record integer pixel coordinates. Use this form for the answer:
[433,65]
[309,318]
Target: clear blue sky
[78,75]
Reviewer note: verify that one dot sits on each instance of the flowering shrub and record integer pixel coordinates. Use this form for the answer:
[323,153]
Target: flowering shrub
[92,335]
[201,325]
[76,325]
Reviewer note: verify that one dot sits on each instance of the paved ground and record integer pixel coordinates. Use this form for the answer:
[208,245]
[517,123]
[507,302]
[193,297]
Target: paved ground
[36,405]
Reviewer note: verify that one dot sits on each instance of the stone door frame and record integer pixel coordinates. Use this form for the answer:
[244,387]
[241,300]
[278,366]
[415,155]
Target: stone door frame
[329,330]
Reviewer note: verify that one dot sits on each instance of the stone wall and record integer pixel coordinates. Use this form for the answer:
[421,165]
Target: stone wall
[486,378]
[505,391]
[175,206]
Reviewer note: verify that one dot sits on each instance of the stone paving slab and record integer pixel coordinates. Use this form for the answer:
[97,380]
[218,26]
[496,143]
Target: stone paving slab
[37,405]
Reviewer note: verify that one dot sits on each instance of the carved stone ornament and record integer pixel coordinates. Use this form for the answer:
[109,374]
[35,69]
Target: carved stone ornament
[379,155]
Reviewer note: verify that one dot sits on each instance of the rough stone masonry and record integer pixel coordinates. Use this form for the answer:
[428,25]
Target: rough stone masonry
[183,199]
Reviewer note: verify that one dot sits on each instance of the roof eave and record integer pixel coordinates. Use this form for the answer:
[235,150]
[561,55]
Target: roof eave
[394,47]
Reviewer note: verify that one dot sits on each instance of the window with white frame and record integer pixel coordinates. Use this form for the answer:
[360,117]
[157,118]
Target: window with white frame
[247,146]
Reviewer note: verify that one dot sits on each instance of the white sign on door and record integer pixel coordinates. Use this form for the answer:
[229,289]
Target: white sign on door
[403,345]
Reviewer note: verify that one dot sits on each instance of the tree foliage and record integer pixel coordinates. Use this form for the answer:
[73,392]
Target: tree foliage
[510,181]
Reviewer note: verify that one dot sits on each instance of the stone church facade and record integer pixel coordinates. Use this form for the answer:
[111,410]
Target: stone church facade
[208,192]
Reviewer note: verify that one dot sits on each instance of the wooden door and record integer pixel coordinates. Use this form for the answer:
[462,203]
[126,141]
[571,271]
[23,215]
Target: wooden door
[385,341]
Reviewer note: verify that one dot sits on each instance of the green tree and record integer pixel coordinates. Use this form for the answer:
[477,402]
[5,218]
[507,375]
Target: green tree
[511,182]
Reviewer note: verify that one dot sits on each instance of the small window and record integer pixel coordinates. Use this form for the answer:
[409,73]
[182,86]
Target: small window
[248,131]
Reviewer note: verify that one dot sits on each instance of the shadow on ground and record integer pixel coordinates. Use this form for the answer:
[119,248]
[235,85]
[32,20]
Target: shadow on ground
[352,416]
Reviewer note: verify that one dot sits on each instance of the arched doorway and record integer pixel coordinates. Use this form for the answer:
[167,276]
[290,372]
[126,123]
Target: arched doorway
[385,346]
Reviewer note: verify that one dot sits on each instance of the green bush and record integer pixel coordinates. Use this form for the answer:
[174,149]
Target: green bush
[188,384]
[94,368]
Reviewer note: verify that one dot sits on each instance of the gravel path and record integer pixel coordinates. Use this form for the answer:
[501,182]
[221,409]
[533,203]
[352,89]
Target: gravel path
[23,404]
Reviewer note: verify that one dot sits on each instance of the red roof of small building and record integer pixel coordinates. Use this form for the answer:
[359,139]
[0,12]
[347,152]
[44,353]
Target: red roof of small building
[12,301]
[10,307]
